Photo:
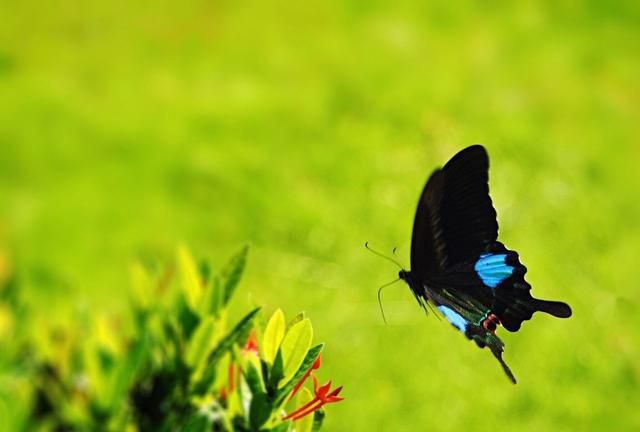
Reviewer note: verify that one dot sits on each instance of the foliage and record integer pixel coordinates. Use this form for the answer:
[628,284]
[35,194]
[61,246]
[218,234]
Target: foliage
[183,367]
[308,128]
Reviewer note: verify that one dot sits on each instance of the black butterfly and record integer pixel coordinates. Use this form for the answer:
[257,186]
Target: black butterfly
[458,265]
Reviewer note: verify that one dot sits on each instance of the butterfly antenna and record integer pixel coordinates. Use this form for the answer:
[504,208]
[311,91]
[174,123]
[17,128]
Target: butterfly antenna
[366,245]
[380,297]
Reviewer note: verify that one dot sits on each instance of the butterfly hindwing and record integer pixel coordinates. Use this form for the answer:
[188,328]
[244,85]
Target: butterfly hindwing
[500,269]
[471,318]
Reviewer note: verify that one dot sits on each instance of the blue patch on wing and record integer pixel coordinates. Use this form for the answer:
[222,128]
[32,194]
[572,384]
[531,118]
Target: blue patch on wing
[493,269]
[453,317]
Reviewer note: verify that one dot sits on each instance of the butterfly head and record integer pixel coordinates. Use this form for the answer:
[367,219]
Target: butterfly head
[405,275]
[416,287]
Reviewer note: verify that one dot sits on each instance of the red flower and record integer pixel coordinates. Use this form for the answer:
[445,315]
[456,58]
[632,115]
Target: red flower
[223,393]
[230,377]
[252,344]
[314,366]
[233,372]
[323,396]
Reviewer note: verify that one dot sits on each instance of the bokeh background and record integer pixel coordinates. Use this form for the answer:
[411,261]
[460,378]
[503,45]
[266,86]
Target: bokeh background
[306,129]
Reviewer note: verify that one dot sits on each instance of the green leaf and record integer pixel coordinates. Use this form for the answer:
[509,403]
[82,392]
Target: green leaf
[253,376]
[295,345]
[141,287]
[212,302]
[318,418]
[126,372]
[232,274]
[187,318]
[172,338]
[189,278]
[234,404]
[237,335]
[273,335]
[259,411]
[201,342]
[295,320]
[311,357]
[197,423]
[282,427]
[276,374]
[305,424]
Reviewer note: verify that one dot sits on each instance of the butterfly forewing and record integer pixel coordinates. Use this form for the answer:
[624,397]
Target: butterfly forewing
[428,254]
[467,217]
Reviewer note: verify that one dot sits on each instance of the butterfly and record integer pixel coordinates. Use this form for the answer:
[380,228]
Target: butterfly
[458,265]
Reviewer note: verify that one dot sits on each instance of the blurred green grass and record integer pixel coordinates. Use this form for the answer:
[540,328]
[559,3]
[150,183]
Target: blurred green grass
[307,129]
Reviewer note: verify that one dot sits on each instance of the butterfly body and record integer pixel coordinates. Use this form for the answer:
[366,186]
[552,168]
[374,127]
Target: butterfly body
[457,263]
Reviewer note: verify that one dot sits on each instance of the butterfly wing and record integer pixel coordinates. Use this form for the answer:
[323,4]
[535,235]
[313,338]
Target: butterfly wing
[470,317]
[500,269]
[428,254]
[454,244]
[455,218]
[457,263]
[467,217]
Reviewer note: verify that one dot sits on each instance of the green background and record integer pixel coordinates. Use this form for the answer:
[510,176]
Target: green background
[306,129]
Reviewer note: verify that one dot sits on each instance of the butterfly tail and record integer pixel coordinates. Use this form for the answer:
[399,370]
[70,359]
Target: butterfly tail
[498,355]
[484,338]
[555,308]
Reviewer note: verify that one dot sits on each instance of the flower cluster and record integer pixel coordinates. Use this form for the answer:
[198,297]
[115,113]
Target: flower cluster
[323,396]
[275,370]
